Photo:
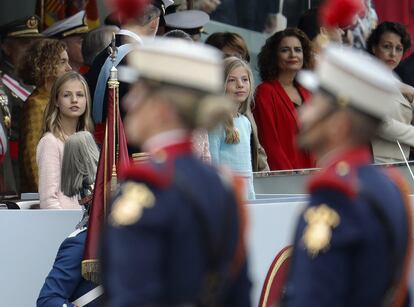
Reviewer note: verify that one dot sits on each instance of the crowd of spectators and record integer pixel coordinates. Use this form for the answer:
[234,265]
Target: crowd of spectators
[260,134]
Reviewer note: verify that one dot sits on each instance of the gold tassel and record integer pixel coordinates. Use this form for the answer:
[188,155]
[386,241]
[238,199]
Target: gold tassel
[91,270]
[113,178]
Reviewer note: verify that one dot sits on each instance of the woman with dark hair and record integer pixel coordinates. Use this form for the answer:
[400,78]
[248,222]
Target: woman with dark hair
[380,41]
[277,98]
[230,43]
[388,42]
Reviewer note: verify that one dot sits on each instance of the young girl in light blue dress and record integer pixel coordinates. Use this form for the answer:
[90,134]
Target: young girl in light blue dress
[230,144]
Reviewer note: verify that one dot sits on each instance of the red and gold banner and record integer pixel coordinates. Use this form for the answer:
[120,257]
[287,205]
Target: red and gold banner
[114,154]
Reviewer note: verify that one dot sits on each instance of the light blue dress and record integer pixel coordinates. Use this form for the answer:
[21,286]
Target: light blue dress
[238,156]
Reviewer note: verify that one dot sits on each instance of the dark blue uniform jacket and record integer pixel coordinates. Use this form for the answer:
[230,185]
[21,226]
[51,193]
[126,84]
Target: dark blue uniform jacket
[368,245]
[65,283]
[162,259]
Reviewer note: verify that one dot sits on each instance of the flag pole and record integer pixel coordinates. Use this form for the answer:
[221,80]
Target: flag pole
[113,85]
[106,180]
[42,15]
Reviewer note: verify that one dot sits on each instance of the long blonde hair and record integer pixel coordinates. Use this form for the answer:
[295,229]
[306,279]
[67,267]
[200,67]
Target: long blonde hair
[231,63]
[51,119]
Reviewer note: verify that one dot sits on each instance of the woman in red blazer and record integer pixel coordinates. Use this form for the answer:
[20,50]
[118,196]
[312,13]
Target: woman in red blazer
[279,96]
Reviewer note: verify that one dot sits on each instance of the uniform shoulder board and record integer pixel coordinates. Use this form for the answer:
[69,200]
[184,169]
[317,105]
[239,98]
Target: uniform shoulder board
[340,177]
[145,172]
[77,231]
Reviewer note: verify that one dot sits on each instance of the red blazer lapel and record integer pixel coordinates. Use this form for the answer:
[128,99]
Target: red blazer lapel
[289,103]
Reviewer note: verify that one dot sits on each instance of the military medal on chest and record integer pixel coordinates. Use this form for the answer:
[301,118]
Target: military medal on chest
[128,208]
[318,233]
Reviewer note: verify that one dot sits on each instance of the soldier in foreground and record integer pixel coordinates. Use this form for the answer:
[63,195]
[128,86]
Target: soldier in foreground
[175,231]
[353,241]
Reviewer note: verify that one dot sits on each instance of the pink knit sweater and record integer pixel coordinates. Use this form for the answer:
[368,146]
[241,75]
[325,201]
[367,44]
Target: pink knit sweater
[49,155]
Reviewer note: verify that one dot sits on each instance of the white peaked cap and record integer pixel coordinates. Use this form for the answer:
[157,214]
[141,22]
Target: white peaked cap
[356,77]
[176,61]
[75,24]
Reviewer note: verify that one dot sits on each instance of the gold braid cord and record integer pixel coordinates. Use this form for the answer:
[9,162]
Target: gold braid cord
[114,86]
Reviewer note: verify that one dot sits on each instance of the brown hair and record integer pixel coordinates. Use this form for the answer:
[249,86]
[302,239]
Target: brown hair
[51,118]
[267,59]
[40,61]
[229,40]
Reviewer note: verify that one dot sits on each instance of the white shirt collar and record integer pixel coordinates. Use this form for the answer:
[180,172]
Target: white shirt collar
[131,34]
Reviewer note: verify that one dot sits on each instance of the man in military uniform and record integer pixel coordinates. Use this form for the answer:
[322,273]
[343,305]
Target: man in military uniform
[175,230]
[7,180]
[131,32]
[353,241]
[16,36]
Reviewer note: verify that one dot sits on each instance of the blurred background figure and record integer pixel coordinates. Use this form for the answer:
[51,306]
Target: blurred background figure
[15,37]
[67,112]
[366,22]
[72,31]
[270,24]
[41,65]
[208,6]
[64,283]
[174,188]
[279,96]
[405,69]
[231,44]
[319,35]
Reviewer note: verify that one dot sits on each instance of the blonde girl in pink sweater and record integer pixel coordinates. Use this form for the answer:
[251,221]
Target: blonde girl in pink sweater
[68,111]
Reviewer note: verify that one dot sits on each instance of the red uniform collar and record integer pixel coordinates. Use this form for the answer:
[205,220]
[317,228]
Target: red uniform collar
[165,155]
[172,150]
[354,157]
[339,171]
